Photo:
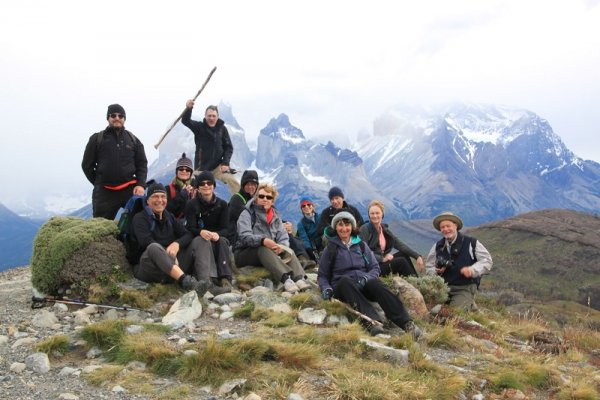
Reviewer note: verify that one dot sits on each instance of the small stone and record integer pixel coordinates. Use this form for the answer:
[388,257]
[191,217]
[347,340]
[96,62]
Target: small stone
[60,307]
[135,315]
[81,318]
[94,352]
[435,310]
[182,342]
[133,329]
[17,367]
[225,308]
[90,368]
[89,310]
[136,365]
[3,340]
[295,396]
[118,389]
[19,335]
[226,315]
[478,396]
[190,353]
[111,314]
[68,396]
[22,342]
[229,386]
[38,362]
[283,308]
[311,316]
[66,371]
[252,396]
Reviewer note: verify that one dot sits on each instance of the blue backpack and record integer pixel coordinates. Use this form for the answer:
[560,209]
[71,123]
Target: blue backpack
[125,225]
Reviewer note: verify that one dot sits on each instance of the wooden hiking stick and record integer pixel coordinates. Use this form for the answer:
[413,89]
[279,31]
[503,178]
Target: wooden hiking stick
[179,118]
[358,314]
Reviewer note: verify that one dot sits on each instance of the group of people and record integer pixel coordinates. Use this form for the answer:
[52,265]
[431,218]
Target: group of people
[187,234]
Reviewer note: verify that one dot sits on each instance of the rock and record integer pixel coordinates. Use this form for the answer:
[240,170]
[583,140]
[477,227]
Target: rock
[3,340]
[38,362]
[186,309]
[19,335]
[295,396]
[90,368]
[435,309]
[44,319]
[283,308]
[267,300]
[259,290]
[68,396]
[118,389]
[478,396]
[227,298]
[60,307]
[22,341]
[398,356]
[252,396]
[229,386]
[133,329]
[136,365]
[226,315]
[411,297]
[91,309]
[311,316]
[225,308]
[135,315]
[190,353]
[337,320]
[81,318]
[66,371]
[111,314]
[17,367]
[94,352]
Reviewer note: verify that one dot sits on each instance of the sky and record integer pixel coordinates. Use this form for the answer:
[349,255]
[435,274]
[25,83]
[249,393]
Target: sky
[331,66]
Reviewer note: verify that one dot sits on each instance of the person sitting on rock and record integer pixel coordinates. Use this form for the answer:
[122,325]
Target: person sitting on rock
[307,228]
[238,201]
[180,190]
[298,247]
[348,271]
[459,259]
[382,242]
[168,248]
[336,197]
[207,219]
[263,241]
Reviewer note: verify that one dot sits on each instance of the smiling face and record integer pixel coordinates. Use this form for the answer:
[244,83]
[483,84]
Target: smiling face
[344,229]
[449,230]
[250,188]
[184,173]
[206,189]
[307,208]
[337,202]
[375,215]
[157,202]
[211,117]
[265,198]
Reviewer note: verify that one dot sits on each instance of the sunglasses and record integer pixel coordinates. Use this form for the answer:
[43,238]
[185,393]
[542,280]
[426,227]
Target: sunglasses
[265,196]
[205,183]
[306,205]
[115,116]
[184,169]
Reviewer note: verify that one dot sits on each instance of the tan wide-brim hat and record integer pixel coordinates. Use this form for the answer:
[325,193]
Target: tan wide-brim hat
[447,216]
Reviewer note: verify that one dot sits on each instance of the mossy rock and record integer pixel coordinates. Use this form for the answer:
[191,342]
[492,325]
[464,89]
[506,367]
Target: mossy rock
[70,252]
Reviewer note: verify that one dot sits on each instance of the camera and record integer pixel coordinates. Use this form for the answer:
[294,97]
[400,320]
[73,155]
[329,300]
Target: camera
[442,262]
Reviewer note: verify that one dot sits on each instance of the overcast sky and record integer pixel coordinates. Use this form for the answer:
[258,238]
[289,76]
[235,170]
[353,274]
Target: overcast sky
[332,66]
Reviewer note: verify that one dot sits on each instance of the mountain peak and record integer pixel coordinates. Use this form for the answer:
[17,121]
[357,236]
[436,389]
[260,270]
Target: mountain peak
[282,128]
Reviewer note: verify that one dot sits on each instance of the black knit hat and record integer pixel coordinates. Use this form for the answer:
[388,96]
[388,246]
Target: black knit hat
[335,191]
[184,162]
[249,175]
[205,176]
[155,188]
[115,108]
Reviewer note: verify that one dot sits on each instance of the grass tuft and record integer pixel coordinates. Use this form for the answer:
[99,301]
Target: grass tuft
[54,344]
[105,334]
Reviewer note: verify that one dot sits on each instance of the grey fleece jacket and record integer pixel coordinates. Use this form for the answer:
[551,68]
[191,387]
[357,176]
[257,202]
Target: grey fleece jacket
[251,235]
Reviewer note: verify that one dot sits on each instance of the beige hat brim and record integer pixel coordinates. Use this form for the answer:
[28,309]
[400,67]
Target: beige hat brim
[447,217]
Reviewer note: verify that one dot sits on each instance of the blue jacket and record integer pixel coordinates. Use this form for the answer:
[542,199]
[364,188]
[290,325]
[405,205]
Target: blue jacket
[307,231]
[349,262]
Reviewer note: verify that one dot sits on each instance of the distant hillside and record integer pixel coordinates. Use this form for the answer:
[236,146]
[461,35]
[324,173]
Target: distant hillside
[548,254]
[16,238]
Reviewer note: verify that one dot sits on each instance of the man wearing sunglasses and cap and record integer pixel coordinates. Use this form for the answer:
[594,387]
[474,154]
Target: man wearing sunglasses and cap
[459,259]
[114,161]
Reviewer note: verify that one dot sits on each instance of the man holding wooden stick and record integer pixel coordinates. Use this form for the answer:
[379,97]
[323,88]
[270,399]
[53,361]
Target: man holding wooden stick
[213,145]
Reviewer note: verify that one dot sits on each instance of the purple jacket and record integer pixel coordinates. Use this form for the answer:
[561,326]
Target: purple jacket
[349,262]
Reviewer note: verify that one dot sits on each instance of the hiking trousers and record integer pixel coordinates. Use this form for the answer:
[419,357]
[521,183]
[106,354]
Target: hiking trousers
[400,265]
[155,265]
[209,259]
[462,296]
[262,256]
[106,203]
[228,179]
[348,291]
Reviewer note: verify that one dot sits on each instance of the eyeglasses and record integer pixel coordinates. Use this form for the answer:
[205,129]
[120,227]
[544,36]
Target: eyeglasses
[115,116]
[265,196]
[184,169]
[205,183]
[306,205]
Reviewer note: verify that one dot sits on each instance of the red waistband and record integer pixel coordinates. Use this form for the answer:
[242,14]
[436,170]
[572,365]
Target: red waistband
[121,186]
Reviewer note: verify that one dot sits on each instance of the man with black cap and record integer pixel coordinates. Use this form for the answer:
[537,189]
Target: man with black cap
[213,144]
[238,201]
[114,162]
[168,250]
[459,259]
[336,198]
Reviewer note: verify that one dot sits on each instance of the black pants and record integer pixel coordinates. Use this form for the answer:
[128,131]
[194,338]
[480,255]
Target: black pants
[106,203]
[400,264]
[348,291]
[298,247]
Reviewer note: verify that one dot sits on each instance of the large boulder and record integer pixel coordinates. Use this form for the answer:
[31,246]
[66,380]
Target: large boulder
[73,253]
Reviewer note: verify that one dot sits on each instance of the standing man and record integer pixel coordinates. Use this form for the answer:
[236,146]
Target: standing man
[336,198]
[114,162]
[213,145]
[461,260]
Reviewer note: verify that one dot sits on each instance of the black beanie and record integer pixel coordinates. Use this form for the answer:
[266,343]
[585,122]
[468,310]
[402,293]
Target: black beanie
[205,176]
[249,175]
[115,108]
[335,191]
[155,188]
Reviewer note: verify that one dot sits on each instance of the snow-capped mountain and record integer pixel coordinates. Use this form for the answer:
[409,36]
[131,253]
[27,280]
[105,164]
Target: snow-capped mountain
[483,162]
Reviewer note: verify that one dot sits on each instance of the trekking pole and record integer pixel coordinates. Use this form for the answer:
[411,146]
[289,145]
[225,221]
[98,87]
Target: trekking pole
[357,313]
[39,302]
[180,116]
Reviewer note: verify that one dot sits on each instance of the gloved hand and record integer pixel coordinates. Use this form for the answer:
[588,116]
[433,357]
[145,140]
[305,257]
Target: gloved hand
[362,282]
[327,294]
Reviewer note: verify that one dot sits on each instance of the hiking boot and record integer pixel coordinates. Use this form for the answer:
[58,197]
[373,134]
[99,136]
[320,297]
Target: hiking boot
[375,330]
[308,265]
[302,285]
[217,290]
[188,283]
[290,286]
[413,330]
[202,287]
[226,283]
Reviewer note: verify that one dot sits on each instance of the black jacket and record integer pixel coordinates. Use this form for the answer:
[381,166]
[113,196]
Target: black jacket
[213,216]
[213,145]
[371,237]
[118,158]
[328,213]
[149,229]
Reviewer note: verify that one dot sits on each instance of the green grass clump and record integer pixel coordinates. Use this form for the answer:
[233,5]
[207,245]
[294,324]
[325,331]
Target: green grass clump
[135,298]
[255,275]
[54,344]
[304,300]
[213,364]
[150,348]
[506,380]
[245,311]
[433,288]
[446,337]
[105,334]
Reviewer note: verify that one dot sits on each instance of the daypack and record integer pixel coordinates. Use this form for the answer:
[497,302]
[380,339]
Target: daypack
[125,225]
[100,137]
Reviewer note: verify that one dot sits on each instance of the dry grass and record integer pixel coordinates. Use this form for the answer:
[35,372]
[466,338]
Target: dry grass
[58,344]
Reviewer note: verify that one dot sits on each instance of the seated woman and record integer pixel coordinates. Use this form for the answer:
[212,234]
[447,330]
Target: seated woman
[350,273]
[382,241]
[180,190]
[262,241]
